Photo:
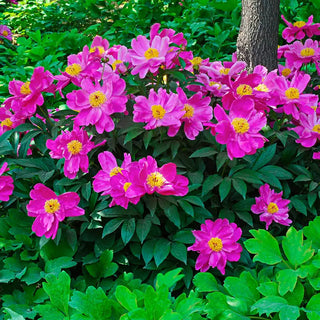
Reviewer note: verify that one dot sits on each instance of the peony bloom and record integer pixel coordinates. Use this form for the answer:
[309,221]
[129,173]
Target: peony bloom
[74,146]
[217,243]
[5,32]
[197,111]
[300,29]
[148,55]
[6,120]
[6,184]
[117,56]
[50,209]
[159,109]
[164,180]
[240,129]
[299,53]
[28,95]
[271,206]
[99,46]
[97,102]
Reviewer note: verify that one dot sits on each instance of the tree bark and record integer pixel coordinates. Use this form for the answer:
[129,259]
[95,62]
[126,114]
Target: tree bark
[257,41]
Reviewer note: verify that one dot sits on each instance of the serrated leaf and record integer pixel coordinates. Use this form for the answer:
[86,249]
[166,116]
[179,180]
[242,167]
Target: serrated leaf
[126,298]
[287,279]
[205,282]
[264,246]
[296,251]
[169,279]
[312,232]
[58,290]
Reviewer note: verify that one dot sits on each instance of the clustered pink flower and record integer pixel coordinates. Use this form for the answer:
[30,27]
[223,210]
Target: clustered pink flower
[74,147]
[300,29]
[6,184]
[5,32]
[50,209]
[216,244]
[271,207]
[128,183]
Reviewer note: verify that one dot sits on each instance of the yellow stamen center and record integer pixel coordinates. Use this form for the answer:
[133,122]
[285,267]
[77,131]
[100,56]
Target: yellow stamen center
[189,111]
[316,128]
[100,48]
[196,61]
[115,63]
[5,33]
[224,71]
[6,122]
[292,93]
[240,125]
[126,186]
[151,53]
[299,24]
[74,147]
[73,70]
[244,90]
[213,83]
[307,52]
[272,208]
[262,87]
[285,72]
[155,179]
[25,88]
[314,108]
[115,171]
[97,99]
[215,244]
[158,111]
[52,206]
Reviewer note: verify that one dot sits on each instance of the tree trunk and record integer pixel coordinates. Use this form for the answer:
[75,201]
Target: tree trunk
[257,41]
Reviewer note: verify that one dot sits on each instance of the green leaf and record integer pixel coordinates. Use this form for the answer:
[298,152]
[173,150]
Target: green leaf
[296,252]
[104,267]
[271,304]
[210,183]
[58,290]
[265,157]
[111,226]
[25,142]
[143,227]
[94,303]
[314,305]
[205,282]
[126,298]
[49,312]
[312,232]
[287,279]
[240,186]
[173,215]
[224,188]
[279,172]
[264,246]
[204,152]
[299,205]
[169,279]
[161,250]
[14,315]
[56,265]
[133,134]
[187,207]
[127,230]
[244,287]
[248,175]
[179,251]
[217,304]
[148,250]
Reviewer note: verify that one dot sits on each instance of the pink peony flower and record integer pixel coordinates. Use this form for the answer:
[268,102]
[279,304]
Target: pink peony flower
[164,180]
[300,29]
[271,206]
[99,46]
[74,146]
[197,111]
[159,109]
[148,55]
[50,209]
[28,95]
[299,53]
[117,56]
[308,129]
[240,129]
[5,32]
[217,243]
[7,120]
[97,102]
[6,184]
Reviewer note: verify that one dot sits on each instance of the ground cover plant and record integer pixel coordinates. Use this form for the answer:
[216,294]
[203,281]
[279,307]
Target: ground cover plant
[139,180]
